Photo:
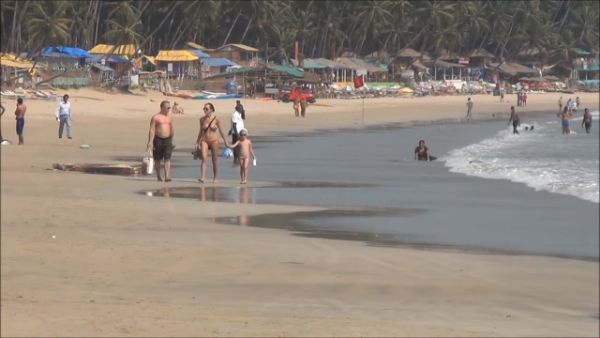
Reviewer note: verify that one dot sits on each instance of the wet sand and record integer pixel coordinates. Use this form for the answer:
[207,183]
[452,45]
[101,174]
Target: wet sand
[116,252]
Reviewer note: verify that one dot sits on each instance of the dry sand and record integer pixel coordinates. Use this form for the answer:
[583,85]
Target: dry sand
[122,264]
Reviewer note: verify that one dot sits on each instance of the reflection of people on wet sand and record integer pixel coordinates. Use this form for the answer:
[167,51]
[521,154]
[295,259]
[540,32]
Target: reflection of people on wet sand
[209,139]
[422,152]
[160,140]
[1,113]
[245,151]
[244,199]
[214,197]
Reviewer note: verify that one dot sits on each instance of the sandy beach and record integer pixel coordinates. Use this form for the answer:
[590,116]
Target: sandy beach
[122,264]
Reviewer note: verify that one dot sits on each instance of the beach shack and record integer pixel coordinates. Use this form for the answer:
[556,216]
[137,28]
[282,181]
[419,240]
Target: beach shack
[359,67]
[215,65]
[63,58]
[334,70]
[379,55]
[480,57]
[178,63]
[444,70]
[510,71]
[116,57]
[585,65]
[16,70]
[405,61]
[69,63]
[127,51]
[236,52]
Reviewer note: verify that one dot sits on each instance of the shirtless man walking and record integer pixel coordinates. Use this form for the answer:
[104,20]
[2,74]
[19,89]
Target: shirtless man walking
[469,109]
[20,117]
[160,139]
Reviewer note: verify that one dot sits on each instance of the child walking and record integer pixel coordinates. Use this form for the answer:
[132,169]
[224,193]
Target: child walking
[245,150]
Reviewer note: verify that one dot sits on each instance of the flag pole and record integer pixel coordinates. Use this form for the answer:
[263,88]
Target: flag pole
[363,109]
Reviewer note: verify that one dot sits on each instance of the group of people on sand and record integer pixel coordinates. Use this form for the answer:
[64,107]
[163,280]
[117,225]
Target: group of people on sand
[571,105]
[299,99]
[62,114]
[160,141]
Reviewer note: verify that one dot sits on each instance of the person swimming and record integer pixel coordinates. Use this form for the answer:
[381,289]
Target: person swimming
[422,152]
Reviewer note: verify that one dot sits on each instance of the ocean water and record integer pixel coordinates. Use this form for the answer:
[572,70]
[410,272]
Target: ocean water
[374,191]
[543,159]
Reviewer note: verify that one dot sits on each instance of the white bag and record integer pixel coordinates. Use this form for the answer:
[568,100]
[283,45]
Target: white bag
[147,164]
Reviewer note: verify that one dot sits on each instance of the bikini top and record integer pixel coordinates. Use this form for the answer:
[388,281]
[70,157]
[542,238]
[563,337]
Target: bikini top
[209,126]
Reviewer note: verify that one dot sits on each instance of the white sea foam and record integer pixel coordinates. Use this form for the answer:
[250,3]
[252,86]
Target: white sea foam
[542,159]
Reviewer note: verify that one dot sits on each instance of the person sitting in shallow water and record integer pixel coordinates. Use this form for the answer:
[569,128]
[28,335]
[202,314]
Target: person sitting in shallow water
[422,152]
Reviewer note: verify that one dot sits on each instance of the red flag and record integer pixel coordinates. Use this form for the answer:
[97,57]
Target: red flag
[294,94]
[359,81]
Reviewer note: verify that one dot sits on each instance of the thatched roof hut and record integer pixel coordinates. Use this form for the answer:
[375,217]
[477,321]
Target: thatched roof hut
[408,53]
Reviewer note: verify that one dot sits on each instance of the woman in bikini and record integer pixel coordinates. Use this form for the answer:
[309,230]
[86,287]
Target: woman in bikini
[208,139]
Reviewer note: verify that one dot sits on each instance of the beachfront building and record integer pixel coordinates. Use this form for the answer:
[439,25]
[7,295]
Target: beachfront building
[406,64]
[127,51]
[238,53]
[330,71]
[585,64]
[62,58]
[16,70]
[445,70]
[178,64]
[371,72]
[509,72]
[116,57]
[215,65]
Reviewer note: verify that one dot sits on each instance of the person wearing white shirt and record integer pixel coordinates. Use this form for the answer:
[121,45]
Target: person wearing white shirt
[237,124]
[63,115]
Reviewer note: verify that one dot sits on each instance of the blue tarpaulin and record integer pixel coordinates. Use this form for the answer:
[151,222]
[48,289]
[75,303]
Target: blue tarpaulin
[199,53]
[62,51]
[217,62]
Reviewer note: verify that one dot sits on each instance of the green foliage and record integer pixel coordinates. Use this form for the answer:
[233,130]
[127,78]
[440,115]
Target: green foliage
[323,28]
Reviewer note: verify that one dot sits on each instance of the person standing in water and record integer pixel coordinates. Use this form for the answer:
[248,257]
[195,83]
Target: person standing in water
[422,152]
[587,120]
[160,140]
[469,109]
[209,139]
[245,150]
[514,118]
[560,105]
[237,124]
[564,118]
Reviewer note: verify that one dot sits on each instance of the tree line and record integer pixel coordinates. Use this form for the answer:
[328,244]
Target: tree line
[323,28]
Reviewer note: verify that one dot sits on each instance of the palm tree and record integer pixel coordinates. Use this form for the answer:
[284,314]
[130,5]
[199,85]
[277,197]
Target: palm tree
[48,24]
[123,24]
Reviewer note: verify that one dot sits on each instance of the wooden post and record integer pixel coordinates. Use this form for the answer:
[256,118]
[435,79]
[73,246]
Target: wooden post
[363,110]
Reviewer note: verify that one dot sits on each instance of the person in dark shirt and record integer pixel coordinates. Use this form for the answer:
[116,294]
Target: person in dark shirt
[422,152]
[587,120]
